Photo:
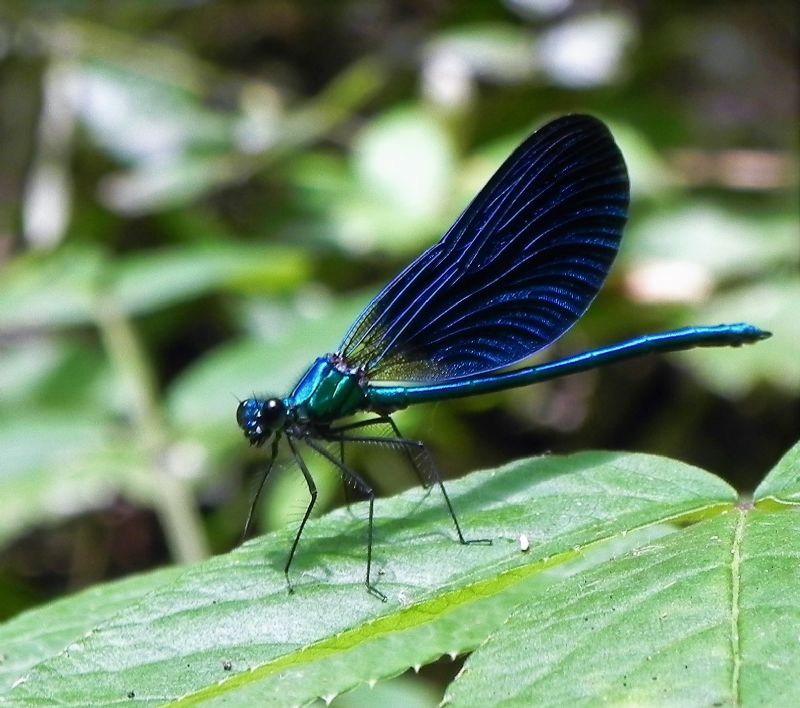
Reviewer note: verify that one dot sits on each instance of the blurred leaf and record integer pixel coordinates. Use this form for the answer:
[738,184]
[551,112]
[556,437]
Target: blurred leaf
[50,291]
[53,374]
[404,158]
[331,635]
[24,366]
[141,118]
[54,466]
[782,484]
[320,180]
[503,53]
[162,277]
[404,167]
[354,86]
[705,616]
[771,306]
[56,435]
[176,147]
[125,50]
[150,188]
[649,173]
[587,50]
[725,243]
[62,289]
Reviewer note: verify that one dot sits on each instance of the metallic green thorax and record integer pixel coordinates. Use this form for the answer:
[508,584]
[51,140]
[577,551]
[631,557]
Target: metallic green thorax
[329,390]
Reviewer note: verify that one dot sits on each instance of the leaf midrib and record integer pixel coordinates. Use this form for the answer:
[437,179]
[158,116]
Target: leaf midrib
[736,649]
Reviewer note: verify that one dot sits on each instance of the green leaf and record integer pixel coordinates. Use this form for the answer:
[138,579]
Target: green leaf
[49,630]
[405,159]
[32,369]
[404,166]
[158,187]
[54,466]
[331,635]
[140,118]
[155,279]
[706,616]
[724,243]
[504,53]
[650,175]
[64,288]
[401,691]
[47,291]
[782,484]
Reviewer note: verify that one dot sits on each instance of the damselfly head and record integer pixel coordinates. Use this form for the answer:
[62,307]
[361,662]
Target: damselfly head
[259,419]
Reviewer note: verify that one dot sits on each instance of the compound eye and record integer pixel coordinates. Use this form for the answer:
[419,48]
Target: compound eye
[240,413]
[273,414]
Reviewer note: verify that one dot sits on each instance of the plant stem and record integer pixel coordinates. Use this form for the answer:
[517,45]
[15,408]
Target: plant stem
[170,494]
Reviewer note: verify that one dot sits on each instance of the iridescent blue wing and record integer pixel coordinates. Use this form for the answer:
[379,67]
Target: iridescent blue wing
[514,272]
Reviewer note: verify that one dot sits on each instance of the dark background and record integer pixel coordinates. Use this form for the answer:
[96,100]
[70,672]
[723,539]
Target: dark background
[196,199]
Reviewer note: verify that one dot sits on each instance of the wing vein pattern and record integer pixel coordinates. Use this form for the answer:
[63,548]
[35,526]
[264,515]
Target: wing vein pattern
[515,271]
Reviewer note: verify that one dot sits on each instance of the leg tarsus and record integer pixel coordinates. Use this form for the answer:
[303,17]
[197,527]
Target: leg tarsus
[312,490]
[372,590]
[365,489]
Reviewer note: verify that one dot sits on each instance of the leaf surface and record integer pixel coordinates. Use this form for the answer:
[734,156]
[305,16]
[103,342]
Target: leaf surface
[706,616]
[330,635]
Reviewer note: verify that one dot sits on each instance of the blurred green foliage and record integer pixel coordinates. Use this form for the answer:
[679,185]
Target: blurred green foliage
[197,198]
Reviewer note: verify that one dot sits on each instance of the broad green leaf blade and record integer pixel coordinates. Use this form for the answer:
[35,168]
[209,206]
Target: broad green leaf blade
[138,117]
[769,608]
[782,484]
[404,158]
[43,374]
[44,632]
[330,635]
[460,626]
[706,616]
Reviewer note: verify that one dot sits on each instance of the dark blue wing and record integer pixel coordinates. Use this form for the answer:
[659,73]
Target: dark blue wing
[514,272]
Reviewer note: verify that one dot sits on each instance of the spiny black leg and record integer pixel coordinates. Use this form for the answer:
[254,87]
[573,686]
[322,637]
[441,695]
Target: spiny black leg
[387,420]
[419,446]
[359,482]
[312,490]
[273,455]
[345,488]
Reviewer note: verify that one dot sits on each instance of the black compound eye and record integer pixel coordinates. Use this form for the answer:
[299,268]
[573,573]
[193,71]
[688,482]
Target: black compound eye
[240,414]
[273,414]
